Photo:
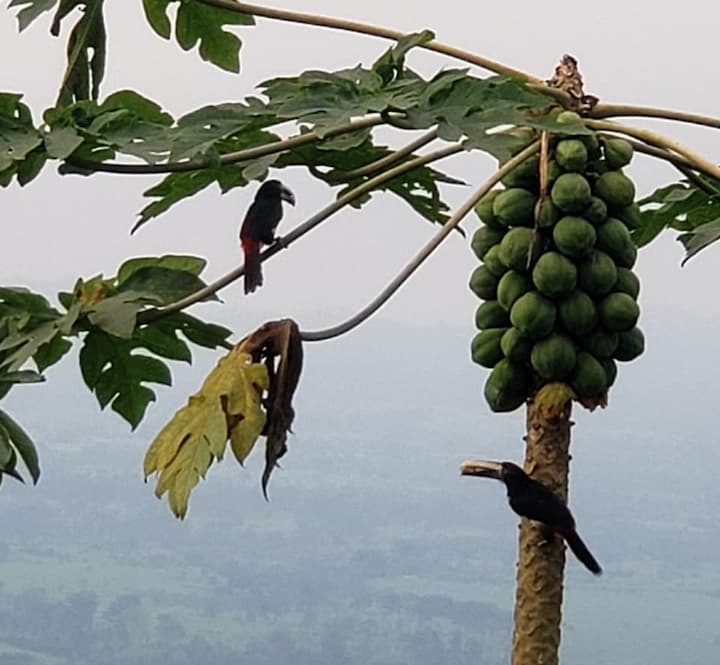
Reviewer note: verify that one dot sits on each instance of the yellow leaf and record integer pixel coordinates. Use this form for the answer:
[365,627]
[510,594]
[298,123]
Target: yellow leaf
[227,405]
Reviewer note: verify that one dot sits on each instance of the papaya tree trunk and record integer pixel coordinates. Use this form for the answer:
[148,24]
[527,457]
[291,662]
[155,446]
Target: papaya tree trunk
[541,564]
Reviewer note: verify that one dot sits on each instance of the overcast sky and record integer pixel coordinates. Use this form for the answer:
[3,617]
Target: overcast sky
[59,228]
[638,52]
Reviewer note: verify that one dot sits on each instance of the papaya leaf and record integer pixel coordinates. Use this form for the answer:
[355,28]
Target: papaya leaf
[23,376]
[61,142]
[419,187]
[29,168]
[161,338]
[30,10]
[700,238]
[32,340]
[228,405]
[165,284]
[22,443]
[156,15]
[208,335]
[8,455]
[197,22]
[178,186]
[18,136]
[198,133]
[86,51]
[185,263]
[330,100]
[390,65]
[9,379]
[173,188]
[117,314]
[279,339]
[116,375]
[684,207]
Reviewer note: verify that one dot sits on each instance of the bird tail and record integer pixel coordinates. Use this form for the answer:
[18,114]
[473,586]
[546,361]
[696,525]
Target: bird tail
[253,271]
[580,550]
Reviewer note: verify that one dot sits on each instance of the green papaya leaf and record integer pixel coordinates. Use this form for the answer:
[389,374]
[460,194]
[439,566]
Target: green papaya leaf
[164,284]
[197,22]
[30,10]
[156,15]
[191,264]
[117,375]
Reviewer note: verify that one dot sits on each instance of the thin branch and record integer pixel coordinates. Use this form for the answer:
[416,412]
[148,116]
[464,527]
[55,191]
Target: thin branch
[698,162]
[618,110]
[378,31]
[683,165]
[228,158]
[699,183]
[419,259]
[300,230]
[390,159]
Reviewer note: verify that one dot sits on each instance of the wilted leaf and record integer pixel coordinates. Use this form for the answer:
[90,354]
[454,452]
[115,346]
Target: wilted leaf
[22,443]
[228,405]
[248,394]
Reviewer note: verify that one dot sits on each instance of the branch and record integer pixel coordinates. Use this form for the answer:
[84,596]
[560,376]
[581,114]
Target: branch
[680,163]
[697,161]
[608,110]
[299,231]
[390,159]
[419,259]
[378,31]
[229,158]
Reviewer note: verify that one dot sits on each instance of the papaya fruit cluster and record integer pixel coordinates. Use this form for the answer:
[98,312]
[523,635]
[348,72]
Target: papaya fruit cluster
[560,296]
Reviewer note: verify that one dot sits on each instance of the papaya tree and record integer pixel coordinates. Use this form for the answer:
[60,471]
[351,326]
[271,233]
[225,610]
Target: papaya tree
[560,228]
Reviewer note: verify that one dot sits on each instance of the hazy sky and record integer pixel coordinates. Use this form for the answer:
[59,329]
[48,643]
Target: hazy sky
[59,228]
[636,52]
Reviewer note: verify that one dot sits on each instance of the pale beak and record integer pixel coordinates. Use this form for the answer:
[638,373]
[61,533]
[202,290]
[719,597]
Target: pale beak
[287,195]
[481,468]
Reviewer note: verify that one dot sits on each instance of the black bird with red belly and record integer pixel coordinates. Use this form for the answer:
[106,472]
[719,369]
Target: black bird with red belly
[259,226]
[531,499]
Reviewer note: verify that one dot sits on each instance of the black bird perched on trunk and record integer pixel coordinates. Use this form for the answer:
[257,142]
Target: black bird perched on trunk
[531,499]
[258,227]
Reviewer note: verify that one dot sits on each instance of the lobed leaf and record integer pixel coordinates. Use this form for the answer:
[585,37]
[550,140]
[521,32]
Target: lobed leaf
[227,406]
[30,10]
[197,22]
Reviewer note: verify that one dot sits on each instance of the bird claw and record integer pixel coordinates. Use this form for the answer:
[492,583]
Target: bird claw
[548,535]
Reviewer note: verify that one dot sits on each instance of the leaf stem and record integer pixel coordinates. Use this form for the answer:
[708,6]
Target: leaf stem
[609,110]
[698,161]
[228,158]
[390,159]
[300,230]
[379,31]
[680,163]
[419,259]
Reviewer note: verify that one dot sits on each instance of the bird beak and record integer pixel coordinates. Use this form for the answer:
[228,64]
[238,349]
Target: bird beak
[287,195]
[481,468]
